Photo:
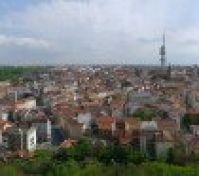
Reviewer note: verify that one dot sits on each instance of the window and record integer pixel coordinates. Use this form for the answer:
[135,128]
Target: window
[32,141]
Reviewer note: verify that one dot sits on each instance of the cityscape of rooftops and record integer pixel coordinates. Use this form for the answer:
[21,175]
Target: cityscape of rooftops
[99,88]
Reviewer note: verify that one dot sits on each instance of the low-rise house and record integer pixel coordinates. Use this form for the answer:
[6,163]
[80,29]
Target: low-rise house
[73,129]
[193,99]
[19,139]
[148,137]
[27,104]
[4,125]
[148,126]
[195,129]
[119,129]
[167,135]
[37,118]
[4,115]
[4,87]
[106,126]
[132,123]
[164,141]
[85,119]
[43,128]
[193,145]
[118,108]
[168,125]
[132,130]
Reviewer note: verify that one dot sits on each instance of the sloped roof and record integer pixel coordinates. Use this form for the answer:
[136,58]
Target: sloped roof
[105,122]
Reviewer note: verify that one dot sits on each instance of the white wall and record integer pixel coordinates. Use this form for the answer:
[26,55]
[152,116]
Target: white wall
[27,104]
[85,119]
[43,130]
[31,139]
[1,138]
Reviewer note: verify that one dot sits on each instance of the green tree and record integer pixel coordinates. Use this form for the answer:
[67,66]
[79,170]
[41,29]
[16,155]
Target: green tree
[62,155]
[170,156]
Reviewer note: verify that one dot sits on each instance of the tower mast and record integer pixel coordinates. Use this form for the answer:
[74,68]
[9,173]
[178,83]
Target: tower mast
[163,52]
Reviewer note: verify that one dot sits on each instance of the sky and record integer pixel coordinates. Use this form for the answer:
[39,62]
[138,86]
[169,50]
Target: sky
[98,31]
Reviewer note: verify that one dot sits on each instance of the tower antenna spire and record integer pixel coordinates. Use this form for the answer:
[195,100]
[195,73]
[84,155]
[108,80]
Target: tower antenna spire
[164,38]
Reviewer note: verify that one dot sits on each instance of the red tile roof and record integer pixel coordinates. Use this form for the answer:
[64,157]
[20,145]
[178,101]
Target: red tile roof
[105,122]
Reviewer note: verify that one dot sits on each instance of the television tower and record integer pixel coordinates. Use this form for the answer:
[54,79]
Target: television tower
[163,53]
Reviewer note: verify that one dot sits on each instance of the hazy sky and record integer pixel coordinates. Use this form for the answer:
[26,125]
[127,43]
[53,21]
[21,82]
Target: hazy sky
[98,31]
